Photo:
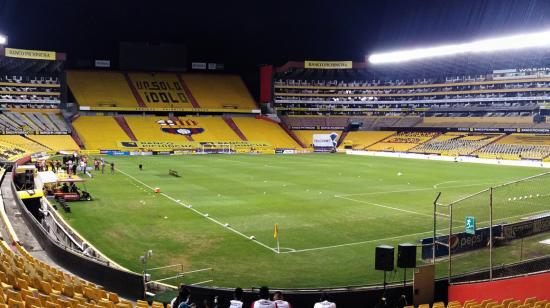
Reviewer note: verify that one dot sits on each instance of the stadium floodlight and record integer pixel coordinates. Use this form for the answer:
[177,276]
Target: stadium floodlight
[519,41]
[3,39]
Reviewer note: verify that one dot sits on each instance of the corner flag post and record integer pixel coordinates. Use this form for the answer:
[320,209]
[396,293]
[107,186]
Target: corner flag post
[276,235]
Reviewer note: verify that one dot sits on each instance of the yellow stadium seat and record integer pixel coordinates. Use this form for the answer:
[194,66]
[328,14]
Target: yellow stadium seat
[12,303]
[265,131]
[106,138]
[56,142]
[230,91]
[101,88]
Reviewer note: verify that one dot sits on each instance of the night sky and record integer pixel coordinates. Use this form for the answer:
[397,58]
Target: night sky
[243,34]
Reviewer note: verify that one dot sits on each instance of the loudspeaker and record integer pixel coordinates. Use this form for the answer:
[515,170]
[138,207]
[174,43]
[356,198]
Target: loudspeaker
[384,258]
[406,255]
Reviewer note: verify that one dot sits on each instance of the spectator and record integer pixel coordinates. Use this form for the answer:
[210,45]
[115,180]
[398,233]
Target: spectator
[279,300]
[183,300]
[264,301]
[324,303]
[237,301]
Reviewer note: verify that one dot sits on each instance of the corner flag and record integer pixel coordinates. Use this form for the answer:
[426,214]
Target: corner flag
[276,235]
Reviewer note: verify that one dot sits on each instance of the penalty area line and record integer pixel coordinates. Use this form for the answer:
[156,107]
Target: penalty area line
[189,207]
[385,206]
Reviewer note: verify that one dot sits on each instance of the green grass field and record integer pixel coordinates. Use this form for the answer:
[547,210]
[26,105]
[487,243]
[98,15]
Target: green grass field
[332,210]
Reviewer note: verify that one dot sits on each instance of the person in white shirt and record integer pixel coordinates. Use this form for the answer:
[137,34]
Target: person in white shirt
[264,301]
[237,301]
[279,300]
[324,303]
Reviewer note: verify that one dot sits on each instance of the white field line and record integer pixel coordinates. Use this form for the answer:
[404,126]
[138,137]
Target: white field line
[291,250]
[401,236]
[188,206]
[410,190]
[385,206]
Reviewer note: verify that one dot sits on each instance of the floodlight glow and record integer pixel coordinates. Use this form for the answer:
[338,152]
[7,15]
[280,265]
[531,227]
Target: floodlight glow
[538,39]
[3,39]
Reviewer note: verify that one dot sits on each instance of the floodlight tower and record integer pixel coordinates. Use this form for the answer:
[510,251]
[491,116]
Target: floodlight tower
[3,39]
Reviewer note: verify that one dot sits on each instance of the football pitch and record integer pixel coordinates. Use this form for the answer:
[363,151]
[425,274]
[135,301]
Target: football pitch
[331,211]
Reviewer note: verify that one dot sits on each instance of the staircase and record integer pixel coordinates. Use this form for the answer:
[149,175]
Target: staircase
[187,91]
[492,142]
[342,137]
[124,125]
[292,134]
[135,92]
[74,134]
[41,144]
[229,121]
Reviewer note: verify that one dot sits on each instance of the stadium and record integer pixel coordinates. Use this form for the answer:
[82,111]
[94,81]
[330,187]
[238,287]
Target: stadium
[412,177]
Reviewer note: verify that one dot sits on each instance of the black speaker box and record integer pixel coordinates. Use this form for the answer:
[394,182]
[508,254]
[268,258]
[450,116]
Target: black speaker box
[384,258]
[406,255]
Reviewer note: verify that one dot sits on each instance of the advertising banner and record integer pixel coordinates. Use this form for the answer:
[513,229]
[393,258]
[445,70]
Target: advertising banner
[460,242]
[29,54]
[329,65]
[325,140]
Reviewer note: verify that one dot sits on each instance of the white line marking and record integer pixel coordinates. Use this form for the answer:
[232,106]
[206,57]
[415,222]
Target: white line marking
[205,215]
[435,186]
[408,190]
[386,207]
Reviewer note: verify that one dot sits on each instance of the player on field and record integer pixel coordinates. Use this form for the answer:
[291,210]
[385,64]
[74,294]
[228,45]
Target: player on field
[264,301]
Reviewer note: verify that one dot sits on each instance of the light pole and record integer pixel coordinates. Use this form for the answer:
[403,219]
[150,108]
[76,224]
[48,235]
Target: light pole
[3,40]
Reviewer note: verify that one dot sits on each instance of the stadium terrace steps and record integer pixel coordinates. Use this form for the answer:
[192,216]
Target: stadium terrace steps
[402,141]
[100,89]
[134,90]
[234,127]
[190,95]
[456,143]
[291,134]
[124,125]
[38,142]
[265,131]
[56,142]
[230,91]
[105,138]
[360,140]
[517,146]
[342,138]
